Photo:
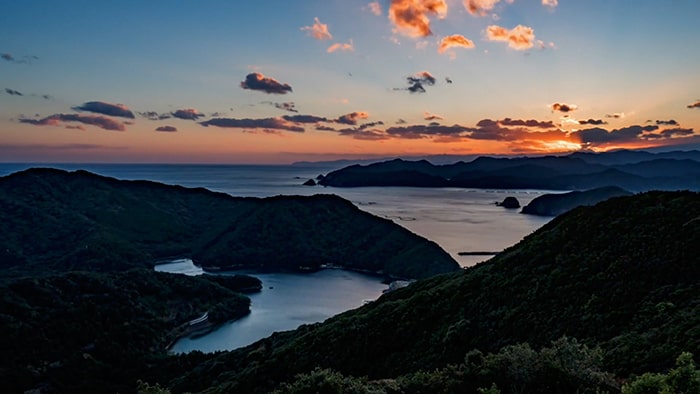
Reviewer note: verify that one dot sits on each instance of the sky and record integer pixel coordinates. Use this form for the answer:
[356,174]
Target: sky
[279,81]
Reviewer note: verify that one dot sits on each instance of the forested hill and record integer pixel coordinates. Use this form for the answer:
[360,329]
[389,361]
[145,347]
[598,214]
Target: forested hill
[55,220]
[623,275]
[631,170]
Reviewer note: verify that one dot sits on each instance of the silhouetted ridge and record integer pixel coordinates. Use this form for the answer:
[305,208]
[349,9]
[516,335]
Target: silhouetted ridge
[631,170]
[79,220]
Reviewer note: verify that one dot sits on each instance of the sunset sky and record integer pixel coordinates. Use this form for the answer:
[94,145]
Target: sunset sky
[280,81]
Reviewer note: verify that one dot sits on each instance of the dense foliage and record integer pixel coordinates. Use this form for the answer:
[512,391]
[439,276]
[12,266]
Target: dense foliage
[58,220]
[100,332]
[556,204]
[622,276]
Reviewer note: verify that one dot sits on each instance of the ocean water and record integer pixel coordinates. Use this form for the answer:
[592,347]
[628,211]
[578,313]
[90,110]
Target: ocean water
[459,220]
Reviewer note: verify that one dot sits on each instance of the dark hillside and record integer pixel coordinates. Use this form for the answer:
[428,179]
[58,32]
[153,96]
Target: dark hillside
[58,220]
[623,275]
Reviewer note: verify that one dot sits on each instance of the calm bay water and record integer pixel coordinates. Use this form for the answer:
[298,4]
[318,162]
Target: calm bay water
[459,220]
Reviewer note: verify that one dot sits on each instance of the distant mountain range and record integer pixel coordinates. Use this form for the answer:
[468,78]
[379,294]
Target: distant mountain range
[634,171]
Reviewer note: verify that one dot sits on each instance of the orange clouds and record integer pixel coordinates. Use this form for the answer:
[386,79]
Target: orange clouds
[349,47]
[411,16]
[454,41]
[694,105]
[318,30]
[480,7]
[520,37]
[550,3]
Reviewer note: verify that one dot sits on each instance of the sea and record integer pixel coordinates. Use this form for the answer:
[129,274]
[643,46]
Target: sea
[459,220]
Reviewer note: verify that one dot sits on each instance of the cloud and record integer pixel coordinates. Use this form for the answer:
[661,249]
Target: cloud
[424,131]
[375,8]
[318,30]
[167,129]
[257,81]
[694,105]
[349,47]
[363,134]
[454,41]
[480,7]
[152,115]
[562,107]
[99,121]
[428,116]
[519,38]
[670,122]
[670,133]
[418,81]
[352,118]
[287,106]
[304,118]
[598,136]
[23,60]
[265,124]
[527,123]
[596,122]
[187,114]
[411,16]
[101,107]
[550,3]
[13,92]
[616,115]
[325,128]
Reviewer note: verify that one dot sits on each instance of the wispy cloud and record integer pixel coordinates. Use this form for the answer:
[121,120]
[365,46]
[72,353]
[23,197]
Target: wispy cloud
[187,114]
[375,8]
[152,115]
[481,7]
[318,30]
[102,122]
[347,47]
[22,60]
[166,129]
[257,81]
[264,124]
[13,92]
[411,17]
[519,38]
[454,41]
[428,116]
[286,106]
[694,105]
[550,3]
[101,107]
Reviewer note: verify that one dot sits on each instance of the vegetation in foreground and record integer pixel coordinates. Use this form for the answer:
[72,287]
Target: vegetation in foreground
[622,276]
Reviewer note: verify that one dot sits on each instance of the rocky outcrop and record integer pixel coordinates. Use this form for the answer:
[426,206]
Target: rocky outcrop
[509,202]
